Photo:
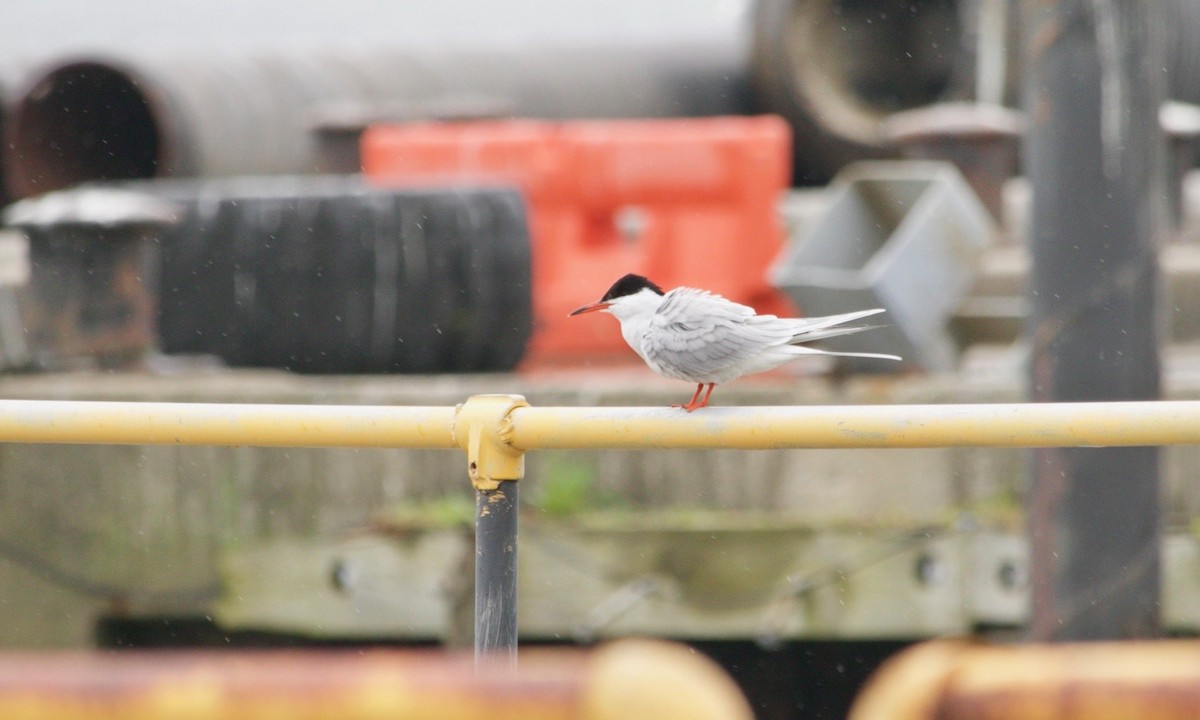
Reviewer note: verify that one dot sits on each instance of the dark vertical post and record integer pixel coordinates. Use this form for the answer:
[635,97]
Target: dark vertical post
[496,573]
[1093,156]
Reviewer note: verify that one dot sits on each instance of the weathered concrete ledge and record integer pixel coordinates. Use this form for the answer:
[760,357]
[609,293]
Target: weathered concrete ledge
[686,576]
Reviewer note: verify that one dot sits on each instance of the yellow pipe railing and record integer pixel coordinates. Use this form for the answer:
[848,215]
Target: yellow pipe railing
[529,428]
[151,423]
[863,426]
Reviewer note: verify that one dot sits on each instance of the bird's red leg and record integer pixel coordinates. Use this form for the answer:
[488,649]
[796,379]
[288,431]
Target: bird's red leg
[691,404]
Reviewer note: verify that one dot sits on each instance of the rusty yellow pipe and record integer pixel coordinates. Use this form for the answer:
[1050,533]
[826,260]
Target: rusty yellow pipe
[862,426]
[528,428]
[946,680]
[626,680]
[145,423]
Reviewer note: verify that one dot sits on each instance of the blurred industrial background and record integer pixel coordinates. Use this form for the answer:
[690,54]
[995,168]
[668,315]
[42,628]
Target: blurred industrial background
[398,203]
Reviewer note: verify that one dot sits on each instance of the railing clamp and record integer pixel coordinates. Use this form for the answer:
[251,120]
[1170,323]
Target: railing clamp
[483,428]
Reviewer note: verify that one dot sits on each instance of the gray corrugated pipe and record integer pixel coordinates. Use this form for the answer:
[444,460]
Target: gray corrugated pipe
[834,68]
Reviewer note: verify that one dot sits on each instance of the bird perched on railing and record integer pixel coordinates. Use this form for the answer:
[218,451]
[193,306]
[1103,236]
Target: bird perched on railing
[696,336]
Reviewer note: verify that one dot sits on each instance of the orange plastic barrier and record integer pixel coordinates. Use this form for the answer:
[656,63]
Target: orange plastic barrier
[684,202]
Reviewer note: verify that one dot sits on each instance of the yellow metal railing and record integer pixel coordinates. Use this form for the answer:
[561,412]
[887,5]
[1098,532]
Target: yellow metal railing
[530,428]
[149,423]
[863,426]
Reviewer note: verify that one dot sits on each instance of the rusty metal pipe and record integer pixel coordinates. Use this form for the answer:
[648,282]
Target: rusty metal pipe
[1096,681]
[630,679]
[836,69]
[120,118]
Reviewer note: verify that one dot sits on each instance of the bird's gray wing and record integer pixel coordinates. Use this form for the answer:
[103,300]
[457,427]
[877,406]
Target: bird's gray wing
[695,334]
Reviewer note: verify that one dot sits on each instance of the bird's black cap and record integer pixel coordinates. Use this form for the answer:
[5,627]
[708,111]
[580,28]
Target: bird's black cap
[629,285]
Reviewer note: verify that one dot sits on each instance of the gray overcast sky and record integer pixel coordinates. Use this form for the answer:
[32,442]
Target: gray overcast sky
[41,30]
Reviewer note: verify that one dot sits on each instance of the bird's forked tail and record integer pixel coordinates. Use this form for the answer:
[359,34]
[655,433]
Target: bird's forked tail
[820,328]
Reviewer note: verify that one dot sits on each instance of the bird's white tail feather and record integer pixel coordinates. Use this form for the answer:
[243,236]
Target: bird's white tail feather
[802,350]
[804,325]
[819,328]
[830,332]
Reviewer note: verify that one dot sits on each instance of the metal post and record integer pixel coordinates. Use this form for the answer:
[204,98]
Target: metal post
[483,427]
[1093,155]
[496,573]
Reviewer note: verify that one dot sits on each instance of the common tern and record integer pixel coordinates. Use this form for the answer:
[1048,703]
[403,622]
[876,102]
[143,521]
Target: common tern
[697,336]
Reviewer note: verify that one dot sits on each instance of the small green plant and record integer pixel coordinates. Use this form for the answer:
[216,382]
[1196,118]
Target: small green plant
[445,512]
[568,487]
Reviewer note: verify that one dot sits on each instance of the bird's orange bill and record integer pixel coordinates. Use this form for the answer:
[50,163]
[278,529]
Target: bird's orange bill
[589,308]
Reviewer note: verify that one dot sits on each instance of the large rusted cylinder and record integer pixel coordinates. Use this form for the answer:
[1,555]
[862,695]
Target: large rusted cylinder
[626,680]
[833,68]
[837,68]
[1080,681]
